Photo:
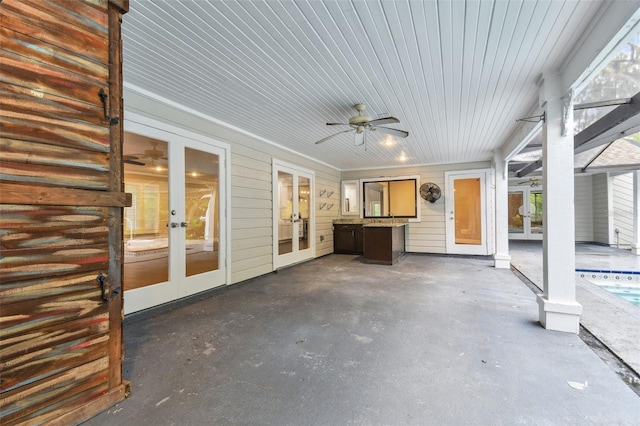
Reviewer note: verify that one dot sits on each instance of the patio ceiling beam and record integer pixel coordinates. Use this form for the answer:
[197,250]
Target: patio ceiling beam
[600,104]
[529,168]
[618,116]
[590,137]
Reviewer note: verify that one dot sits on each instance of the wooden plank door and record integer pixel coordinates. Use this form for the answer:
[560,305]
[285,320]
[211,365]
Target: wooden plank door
[61,202]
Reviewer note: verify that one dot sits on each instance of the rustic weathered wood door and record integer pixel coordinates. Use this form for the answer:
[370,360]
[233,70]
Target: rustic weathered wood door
[61,203]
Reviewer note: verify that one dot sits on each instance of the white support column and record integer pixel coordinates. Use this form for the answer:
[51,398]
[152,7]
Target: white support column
[635,244]
[558,309]
[501,257]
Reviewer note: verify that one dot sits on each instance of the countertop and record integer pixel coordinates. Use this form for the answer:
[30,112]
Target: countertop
[372,223]
[383,225]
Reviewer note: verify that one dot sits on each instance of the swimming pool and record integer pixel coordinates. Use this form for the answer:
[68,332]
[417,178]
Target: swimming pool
[624,284]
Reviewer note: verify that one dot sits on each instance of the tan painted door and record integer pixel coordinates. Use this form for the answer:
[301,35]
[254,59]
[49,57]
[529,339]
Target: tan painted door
[61,203]
[466,212]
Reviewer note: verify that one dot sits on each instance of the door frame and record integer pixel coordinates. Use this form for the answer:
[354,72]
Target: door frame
[142,125]
[485,191]
[526,224]
[279,165]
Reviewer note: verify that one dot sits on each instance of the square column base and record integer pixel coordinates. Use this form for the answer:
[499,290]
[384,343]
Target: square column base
[559,316]
[501,261]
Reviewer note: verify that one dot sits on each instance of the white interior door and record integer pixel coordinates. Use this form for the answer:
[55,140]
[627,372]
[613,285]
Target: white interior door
[293,214]
[525,213]
[466,212]
[175,230]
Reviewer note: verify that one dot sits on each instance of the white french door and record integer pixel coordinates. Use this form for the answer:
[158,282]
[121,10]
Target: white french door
[293,214]
[175,230]
[466,212]
[525,213]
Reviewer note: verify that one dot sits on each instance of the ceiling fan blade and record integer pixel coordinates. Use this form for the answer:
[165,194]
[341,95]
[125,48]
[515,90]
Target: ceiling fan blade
[359,138]
[329,137]
[384,120]
[394,132]
[134,162]
[337,124]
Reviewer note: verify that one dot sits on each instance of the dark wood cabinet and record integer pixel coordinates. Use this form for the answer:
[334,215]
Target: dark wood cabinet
[347,239]
[383,244]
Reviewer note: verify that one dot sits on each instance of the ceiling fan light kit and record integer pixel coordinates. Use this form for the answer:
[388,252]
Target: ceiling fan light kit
[361,124]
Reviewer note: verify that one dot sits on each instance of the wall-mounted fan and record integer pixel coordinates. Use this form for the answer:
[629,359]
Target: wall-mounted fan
[361,124]
[153,154]
[430,191]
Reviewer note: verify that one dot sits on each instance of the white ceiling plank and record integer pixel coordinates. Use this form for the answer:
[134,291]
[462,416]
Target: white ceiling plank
[456,73]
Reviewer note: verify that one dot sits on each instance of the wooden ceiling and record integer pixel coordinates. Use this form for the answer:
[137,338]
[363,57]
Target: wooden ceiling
[456,73]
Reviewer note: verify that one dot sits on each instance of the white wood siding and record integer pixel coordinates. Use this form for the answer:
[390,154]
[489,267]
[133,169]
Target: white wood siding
[251,212]
[428,236]
[622,188]
[601,216]
[583,190]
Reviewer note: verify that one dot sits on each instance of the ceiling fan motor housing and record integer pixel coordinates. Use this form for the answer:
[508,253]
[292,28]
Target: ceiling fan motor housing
[363,123]
[359,119]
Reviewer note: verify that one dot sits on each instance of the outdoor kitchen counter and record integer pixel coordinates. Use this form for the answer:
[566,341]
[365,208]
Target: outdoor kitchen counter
[383,243]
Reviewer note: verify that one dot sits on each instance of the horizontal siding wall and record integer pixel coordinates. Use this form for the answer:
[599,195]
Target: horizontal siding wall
[428,236]
[327,209]
[622,195]
[251,187]
[600,195]
[583,202]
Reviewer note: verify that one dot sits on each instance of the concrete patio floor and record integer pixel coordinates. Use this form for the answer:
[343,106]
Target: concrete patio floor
[611,319]
[432,340]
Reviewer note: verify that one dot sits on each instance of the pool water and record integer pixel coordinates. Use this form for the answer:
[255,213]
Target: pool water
[624,284]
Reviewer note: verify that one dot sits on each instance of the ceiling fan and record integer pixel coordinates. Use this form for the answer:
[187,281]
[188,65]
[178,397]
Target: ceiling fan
[361,124]
[153,154]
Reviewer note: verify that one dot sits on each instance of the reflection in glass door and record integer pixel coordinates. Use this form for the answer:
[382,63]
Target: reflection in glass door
[304,192]
[285,220]
[465,204]
[293,215]
[173,230]
[146,235]
[201,212]
[525,218]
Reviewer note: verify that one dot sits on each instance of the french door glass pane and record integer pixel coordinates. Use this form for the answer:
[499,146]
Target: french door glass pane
[285,203]
[146,243]
[201,211]
[535,207]
[303,209]
[468,215]
[516,222]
